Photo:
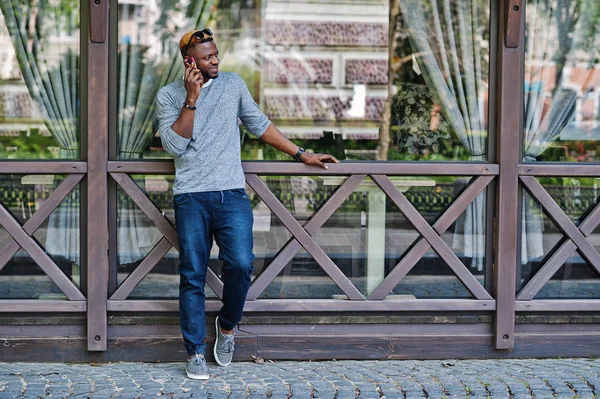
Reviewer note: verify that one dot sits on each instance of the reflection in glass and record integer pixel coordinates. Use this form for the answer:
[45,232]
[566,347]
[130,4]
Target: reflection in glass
[440,69]
[562,77]
[39,80]
[58,236]
[576,278]
[335,83]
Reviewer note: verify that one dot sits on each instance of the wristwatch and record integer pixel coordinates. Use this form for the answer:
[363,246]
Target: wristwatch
[189,106]
[299,154]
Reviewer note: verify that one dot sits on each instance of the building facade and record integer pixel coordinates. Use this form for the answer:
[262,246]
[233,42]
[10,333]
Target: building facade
[461,222]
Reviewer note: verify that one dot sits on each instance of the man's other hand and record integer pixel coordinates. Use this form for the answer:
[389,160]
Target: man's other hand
[318,159]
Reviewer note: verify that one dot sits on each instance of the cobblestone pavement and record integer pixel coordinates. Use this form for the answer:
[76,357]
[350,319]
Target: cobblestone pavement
[525,378]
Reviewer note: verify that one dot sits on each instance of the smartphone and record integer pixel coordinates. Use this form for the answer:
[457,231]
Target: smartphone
[189,60]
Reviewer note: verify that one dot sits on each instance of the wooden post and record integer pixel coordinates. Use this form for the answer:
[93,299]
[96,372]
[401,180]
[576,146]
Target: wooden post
[509,100]
[97,187]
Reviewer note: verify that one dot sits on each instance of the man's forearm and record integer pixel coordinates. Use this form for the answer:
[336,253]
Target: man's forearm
[184,125]
[276,139]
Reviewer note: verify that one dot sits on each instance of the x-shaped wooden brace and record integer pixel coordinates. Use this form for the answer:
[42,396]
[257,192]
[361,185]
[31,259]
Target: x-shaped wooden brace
[161,248]
[431,237]
[287,253]
[22,238]
[576,239]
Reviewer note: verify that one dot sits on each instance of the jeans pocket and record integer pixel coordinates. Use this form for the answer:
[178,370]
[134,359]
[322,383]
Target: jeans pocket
[239,193]
[180,199]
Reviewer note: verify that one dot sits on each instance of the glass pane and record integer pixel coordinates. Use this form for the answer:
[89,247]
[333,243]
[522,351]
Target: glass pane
[576,279]
[302,278]
[22,278]
[577,197]
[270,235]
[39,80]
[540,239]
[332,82]
[431,277]
[58,236]
[562,79]
[440,79]
[136,234]
[22,195]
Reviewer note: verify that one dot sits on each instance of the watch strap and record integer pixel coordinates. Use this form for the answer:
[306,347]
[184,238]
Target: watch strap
[299,154]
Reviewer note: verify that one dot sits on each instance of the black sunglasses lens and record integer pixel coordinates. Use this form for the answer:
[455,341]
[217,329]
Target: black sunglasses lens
[199,35]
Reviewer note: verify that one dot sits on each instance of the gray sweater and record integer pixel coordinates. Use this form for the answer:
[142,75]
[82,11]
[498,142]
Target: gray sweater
[211,159]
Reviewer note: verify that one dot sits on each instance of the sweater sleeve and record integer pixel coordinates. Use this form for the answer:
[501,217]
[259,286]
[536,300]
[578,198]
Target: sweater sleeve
[167,112]
[249,112]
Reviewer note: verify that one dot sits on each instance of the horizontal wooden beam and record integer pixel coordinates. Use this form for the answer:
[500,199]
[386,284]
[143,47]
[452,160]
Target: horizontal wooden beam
[559,305]
[362,342]
[316,305]
[341,169]
[41,305]
[559,169]
[42,167]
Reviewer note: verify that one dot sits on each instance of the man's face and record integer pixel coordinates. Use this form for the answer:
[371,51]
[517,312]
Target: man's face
[207,58]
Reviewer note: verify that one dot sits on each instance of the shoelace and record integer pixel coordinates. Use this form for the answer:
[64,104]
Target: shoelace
[228,344]
[199,359]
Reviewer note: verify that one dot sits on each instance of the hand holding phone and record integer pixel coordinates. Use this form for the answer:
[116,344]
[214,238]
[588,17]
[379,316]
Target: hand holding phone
[193,80]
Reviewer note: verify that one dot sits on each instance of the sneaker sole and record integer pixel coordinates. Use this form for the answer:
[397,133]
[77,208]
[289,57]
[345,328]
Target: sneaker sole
[196,376]
[215,347]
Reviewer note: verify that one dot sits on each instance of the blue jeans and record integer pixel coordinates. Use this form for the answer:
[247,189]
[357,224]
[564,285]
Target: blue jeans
[226,216]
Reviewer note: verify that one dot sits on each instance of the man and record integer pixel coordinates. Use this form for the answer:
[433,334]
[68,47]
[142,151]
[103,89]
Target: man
[198,125]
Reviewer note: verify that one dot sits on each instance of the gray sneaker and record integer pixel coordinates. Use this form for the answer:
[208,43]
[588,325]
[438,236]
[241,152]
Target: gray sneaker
[196,368]
[224,346]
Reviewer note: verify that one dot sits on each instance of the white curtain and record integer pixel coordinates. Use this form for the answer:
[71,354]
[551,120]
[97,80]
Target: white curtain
[446,38]
[143,70]
[560,35]
[45,38]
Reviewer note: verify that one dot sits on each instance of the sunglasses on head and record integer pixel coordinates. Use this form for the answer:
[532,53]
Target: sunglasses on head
[200,36]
